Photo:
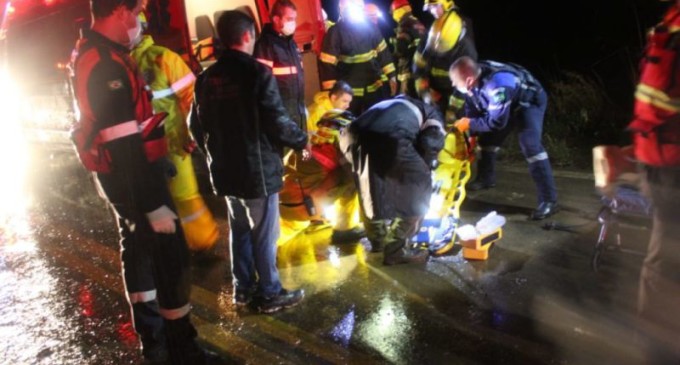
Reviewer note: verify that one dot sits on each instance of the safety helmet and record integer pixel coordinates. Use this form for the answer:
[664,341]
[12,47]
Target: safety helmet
[445,33]
[446,4]
[399,8]
[336,119]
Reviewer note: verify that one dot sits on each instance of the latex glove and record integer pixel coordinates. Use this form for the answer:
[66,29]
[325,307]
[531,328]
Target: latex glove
[162,220]
[393,86]
[462,124]
[307,152]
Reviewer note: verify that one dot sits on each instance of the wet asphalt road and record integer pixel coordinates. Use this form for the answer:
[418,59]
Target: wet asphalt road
[535,301]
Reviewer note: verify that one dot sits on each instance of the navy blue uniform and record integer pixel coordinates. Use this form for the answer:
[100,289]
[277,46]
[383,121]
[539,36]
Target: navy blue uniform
[508,97]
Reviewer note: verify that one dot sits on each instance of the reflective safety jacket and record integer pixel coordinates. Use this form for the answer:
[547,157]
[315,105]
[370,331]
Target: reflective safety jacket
[656,125]
[172,86]
[356,53]
[322,105]
[500,89]
[410,32]
[431,70]
[281,55]
[110,135]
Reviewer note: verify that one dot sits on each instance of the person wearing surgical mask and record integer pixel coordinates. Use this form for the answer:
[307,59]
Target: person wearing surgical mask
[276,48]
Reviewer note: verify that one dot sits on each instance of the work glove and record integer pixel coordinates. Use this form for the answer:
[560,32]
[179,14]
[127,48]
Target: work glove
[462,124]
[162,220]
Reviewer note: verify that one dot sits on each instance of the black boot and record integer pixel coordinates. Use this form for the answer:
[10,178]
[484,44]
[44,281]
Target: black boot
[182,346]
[376,232]
[398,249]
[149,326]
[486,172]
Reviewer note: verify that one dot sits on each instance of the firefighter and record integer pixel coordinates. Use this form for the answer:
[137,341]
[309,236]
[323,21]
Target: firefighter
[449,38]
[338,97]
[393,148]
[313,187]
[499,99]
[656,141]
[354,50]
[119,139]
[277,50]
[238,119]
[172,86]
[408,35]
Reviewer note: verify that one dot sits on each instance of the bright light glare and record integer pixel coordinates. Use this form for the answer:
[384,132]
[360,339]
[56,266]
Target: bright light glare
[436,203]
[330,214]
[13,149]
[355,12]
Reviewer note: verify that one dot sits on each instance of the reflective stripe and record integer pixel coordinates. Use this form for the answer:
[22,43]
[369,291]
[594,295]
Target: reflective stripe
[265,62]
[381,46]
[493,149]
[175,87]
[176,313]
[389,68]
[438,72]
[327,85]
[539,157]
[657,98]
[414,109]
[142,297]
[501,106]
[119,131]
[194,216]
[375,87]
[404,76]
[360,58]
[358,92]
[328,58]
[433,123]
[280,71]
[419,60]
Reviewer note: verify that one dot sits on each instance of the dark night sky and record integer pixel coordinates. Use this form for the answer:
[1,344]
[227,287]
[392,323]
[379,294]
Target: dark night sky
[601,39]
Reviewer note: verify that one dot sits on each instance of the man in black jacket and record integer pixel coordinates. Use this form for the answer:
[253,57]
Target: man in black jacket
[393,147]
[277,50]
[238,120]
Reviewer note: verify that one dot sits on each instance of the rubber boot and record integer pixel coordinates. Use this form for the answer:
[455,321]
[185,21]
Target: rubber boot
[149,326]
[182,346]
[397,249]
[486,172]
[376,233]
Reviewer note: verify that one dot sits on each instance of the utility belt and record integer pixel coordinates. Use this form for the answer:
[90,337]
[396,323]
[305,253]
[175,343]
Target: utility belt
[94,155]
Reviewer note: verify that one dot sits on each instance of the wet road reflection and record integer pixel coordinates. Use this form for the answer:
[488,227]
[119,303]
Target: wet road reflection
[534,301]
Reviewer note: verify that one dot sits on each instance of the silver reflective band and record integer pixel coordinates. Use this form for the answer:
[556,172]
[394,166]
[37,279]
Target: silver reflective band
[142,297]
[175,87]
[433,123]
[119,131]
[540,157]
[176,313]
[194,216]
[413,108]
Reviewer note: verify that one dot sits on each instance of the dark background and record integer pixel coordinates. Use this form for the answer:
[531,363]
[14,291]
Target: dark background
[600,39]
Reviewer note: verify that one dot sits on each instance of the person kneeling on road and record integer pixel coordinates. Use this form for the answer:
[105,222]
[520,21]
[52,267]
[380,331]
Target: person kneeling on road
[393,148]
[238,119]
[325,180]
[499,98]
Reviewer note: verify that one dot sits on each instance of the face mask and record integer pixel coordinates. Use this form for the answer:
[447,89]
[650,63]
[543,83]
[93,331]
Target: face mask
[288,28]
[134,33]
[462,89]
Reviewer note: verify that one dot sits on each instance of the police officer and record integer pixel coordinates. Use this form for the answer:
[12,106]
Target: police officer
[355,51]
[501,98]
[127,157]
[393,147]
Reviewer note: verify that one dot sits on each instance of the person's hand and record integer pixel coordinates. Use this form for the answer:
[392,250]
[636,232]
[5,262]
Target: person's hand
[462,124]
[307,152]
[162,220]
[393,86]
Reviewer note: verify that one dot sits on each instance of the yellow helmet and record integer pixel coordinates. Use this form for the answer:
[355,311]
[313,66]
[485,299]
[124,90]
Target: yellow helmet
[446,4]
[445,33]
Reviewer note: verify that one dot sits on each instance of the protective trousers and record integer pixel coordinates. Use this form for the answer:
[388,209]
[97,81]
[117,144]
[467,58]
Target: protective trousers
[659,295]
[527,119]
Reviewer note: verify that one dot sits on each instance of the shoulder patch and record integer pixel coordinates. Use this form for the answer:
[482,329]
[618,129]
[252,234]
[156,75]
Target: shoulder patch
[498,96]
[115,84]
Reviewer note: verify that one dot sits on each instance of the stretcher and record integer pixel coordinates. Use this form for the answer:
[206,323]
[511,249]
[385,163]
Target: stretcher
[437,231]
[618,182]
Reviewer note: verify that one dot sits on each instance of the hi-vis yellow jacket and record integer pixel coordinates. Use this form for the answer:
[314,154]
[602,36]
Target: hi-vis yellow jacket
[172,85]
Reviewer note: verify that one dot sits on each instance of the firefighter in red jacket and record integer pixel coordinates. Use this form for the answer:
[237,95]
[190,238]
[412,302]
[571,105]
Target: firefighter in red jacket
[355,51]
[656,140]
[127,156]
[277,50]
